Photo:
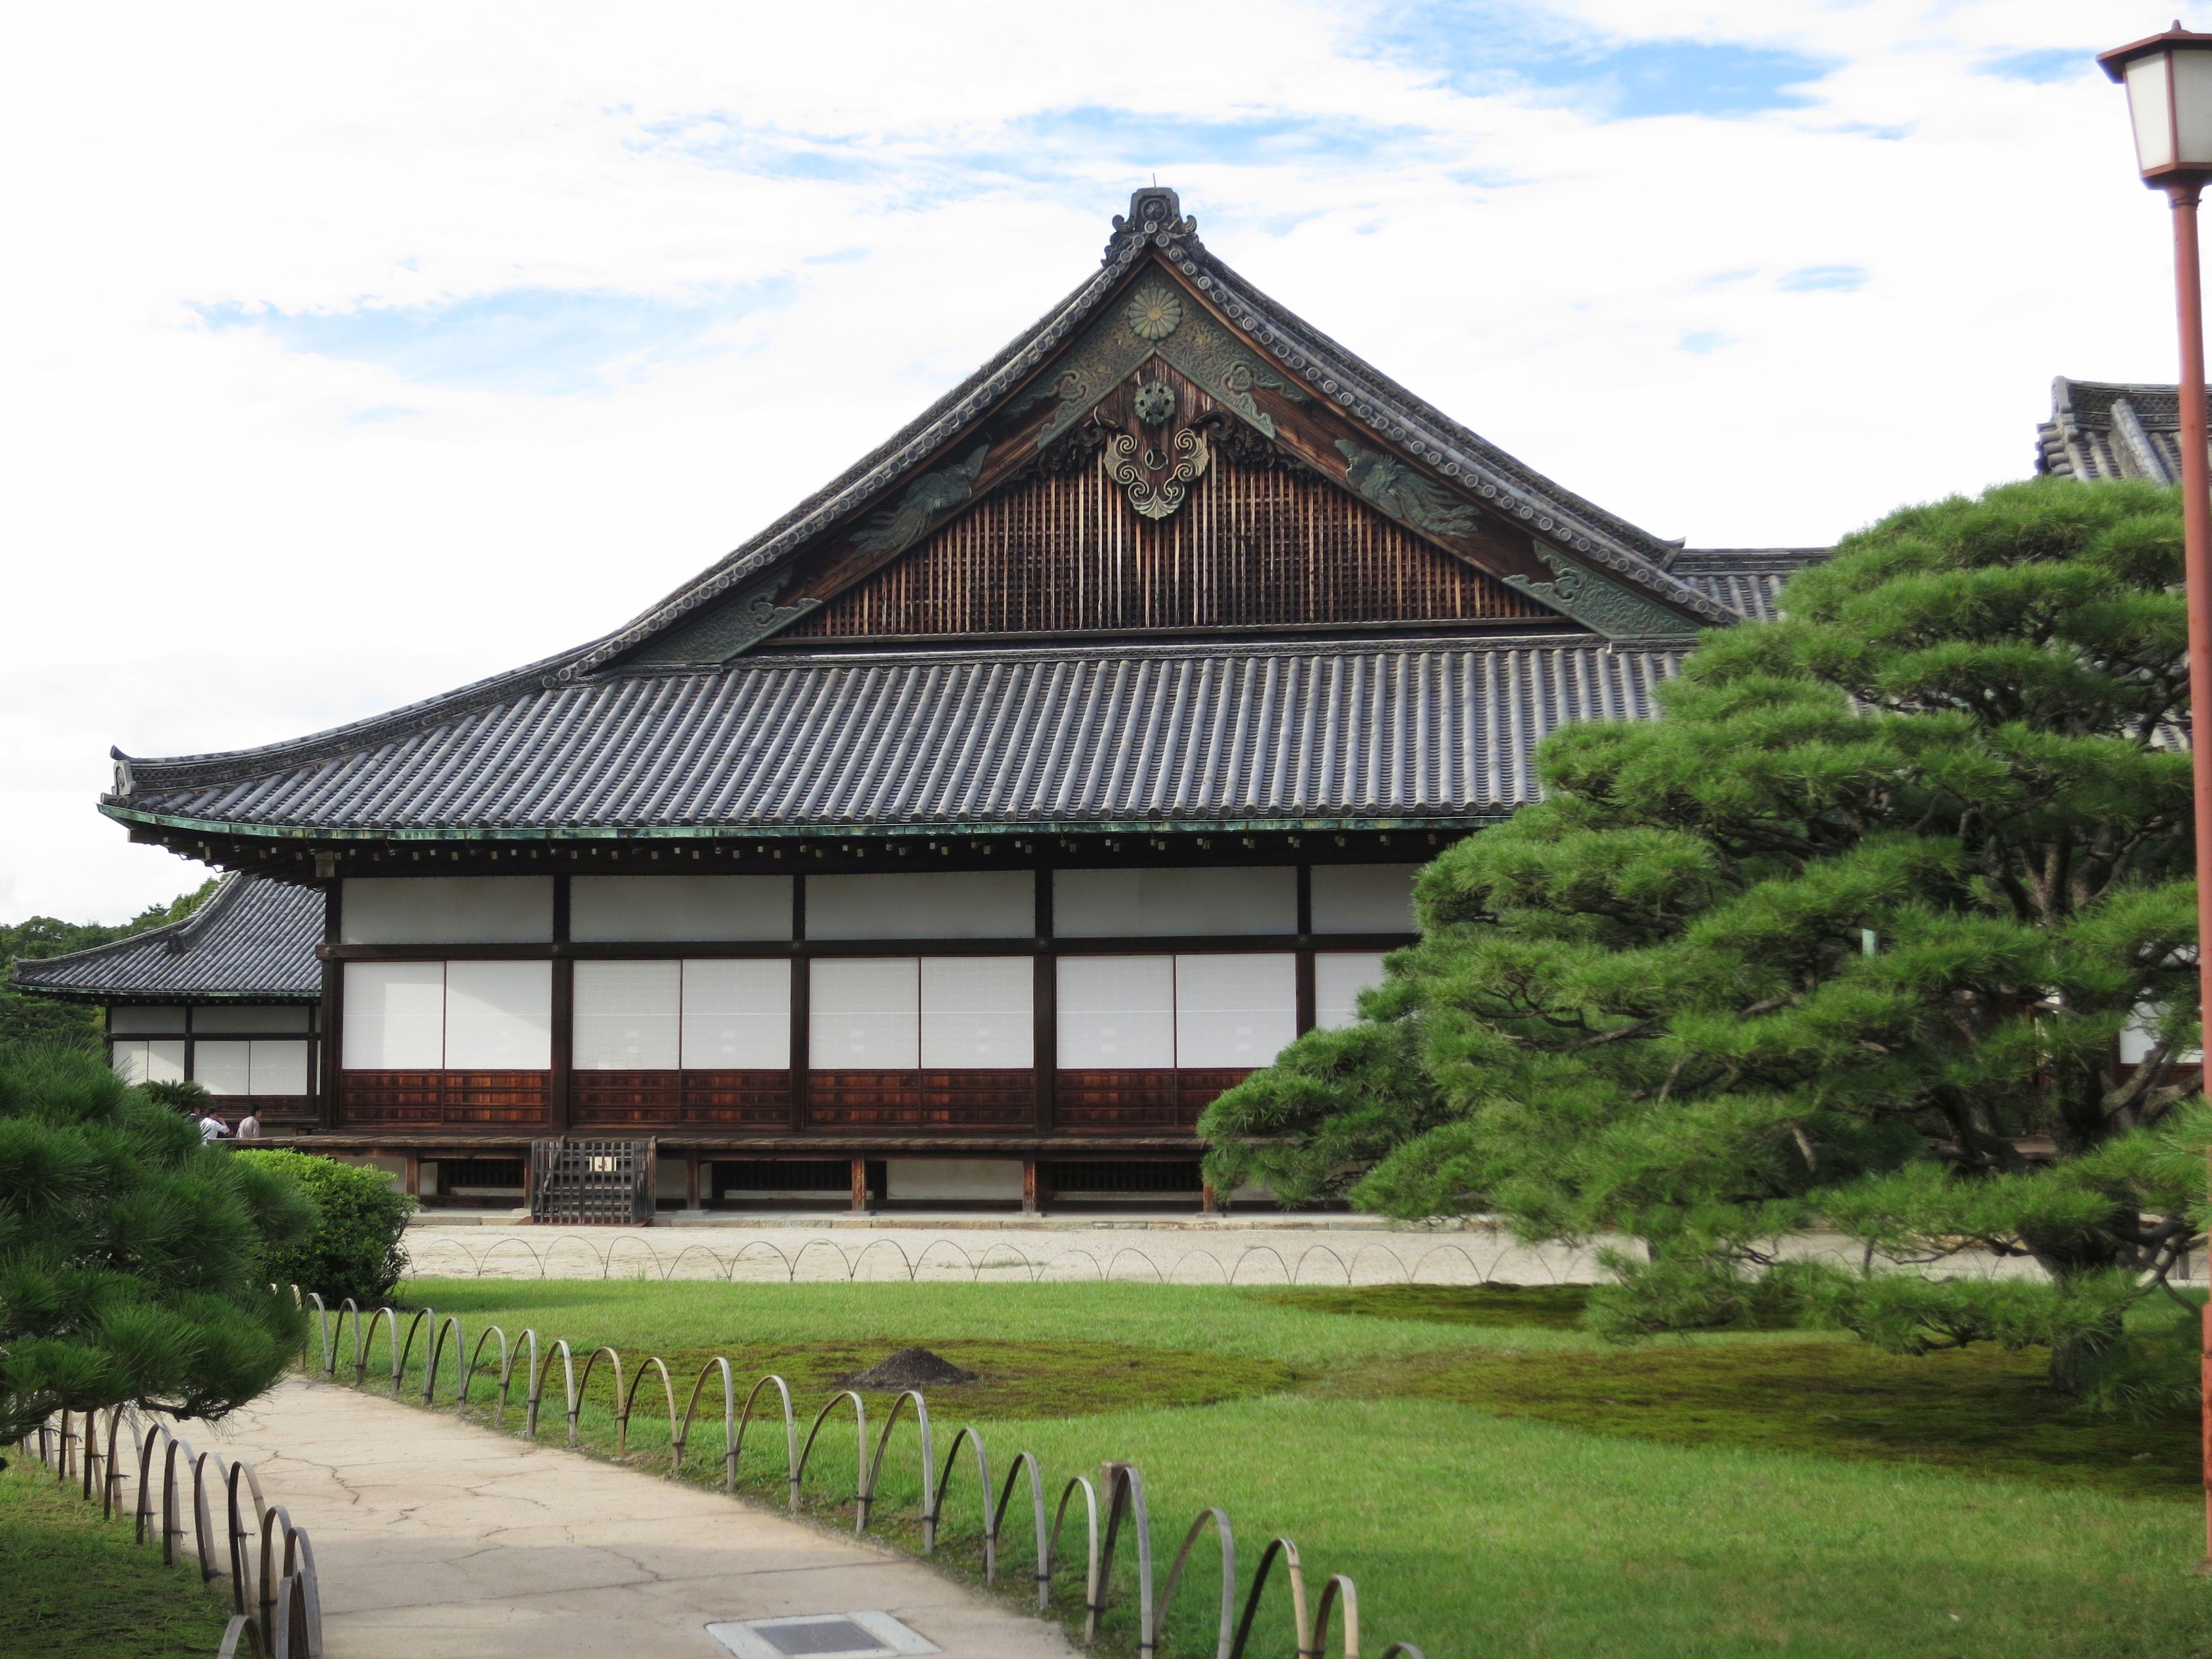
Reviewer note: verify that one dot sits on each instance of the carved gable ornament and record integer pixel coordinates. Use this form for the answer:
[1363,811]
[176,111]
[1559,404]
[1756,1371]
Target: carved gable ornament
[1158,320]
[1157,464]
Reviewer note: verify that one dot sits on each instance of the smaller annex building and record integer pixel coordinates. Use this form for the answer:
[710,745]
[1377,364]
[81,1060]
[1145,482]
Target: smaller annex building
[961,835]
[229,997]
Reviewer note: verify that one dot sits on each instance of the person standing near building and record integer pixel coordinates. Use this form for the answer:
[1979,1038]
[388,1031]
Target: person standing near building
[249,1127]
[212,1128]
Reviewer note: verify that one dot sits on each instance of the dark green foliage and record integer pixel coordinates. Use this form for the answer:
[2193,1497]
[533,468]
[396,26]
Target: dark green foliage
[133,1259]
[355,1247]
[1840,940]
[190,1098]
[42,1019]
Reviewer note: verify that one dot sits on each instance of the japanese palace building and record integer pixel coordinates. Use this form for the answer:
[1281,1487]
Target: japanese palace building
[958,838]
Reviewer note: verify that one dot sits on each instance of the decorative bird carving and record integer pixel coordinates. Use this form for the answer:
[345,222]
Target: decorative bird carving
[896,528]
[1404,494]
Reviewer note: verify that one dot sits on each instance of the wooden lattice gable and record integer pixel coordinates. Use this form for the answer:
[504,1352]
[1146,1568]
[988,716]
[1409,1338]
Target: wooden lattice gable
[1169,384]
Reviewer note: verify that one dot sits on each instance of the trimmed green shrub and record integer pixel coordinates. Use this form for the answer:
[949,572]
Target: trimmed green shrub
[353,1249]
[134,1261]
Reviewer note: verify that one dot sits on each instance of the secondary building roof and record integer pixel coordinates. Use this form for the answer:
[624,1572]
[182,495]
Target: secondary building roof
[252,941]
[2111,429]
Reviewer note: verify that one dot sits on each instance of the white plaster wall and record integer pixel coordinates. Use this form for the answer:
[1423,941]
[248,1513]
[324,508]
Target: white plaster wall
[963,1178]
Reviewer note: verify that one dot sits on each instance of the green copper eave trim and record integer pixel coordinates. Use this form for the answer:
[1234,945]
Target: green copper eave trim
[807,832]
[164,998]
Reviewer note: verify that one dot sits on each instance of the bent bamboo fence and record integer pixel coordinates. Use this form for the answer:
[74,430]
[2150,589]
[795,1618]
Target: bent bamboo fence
[1112,1510]
[268,1563]
[572,1255]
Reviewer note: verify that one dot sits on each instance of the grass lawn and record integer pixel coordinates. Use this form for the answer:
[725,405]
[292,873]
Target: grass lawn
[72,1584]
[1496,1482]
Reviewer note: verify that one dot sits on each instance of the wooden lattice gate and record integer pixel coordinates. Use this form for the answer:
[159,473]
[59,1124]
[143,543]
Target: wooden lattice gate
[576,1182]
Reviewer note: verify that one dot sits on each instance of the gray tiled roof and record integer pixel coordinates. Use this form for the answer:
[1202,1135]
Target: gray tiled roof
[1748,580]
[253,941]
[1415,730]
[2111,429]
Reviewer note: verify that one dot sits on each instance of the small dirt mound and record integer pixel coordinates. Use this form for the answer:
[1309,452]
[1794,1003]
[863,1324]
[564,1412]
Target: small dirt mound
[910,1368]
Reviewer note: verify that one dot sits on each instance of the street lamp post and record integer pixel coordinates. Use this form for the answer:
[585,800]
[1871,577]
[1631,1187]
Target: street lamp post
[2169,82]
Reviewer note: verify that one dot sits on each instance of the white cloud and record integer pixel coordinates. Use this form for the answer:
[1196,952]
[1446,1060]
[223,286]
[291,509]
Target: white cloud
[218,536]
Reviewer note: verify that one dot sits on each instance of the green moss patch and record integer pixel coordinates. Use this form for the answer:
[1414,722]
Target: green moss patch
[1532,1307]
[1016,1379]
[1976,1409]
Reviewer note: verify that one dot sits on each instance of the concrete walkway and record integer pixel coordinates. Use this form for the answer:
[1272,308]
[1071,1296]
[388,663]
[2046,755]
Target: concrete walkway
[434,1538]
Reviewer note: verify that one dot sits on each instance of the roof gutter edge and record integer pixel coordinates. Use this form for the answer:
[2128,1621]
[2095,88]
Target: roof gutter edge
[678,832]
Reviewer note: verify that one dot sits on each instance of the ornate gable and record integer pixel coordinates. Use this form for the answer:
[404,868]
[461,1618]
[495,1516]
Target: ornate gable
[1164,468]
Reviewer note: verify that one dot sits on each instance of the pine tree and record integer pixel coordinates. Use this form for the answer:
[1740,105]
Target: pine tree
[1847,938]
[131,1254]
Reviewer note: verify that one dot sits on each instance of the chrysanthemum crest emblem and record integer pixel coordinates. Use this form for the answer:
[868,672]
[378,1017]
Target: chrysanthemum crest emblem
[1155,314]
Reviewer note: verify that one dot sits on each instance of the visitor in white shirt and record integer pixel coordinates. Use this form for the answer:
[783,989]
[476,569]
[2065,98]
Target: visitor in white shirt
[211,1129]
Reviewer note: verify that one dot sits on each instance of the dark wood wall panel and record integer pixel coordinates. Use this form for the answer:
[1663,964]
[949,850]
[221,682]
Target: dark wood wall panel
[921,1100]
[680,1099]
[1252,547]
[1138,1102]
[461,1100]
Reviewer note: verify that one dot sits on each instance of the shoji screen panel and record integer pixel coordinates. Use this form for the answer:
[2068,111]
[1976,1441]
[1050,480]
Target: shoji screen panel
[1117,1013]
[628,1015]
[499,1016]
[978,1014]
[864,1014]
[737,1015]
[1234,1011]
[395,1016]
[1339,978]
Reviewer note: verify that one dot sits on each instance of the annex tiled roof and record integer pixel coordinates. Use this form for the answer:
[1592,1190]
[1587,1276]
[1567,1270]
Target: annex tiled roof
[2110,429]
[1748,580]
[253,941]
[1417,731]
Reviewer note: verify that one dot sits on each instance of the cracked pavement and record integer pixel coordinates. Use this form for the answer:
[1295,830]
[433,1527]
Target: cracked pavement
[437,1537]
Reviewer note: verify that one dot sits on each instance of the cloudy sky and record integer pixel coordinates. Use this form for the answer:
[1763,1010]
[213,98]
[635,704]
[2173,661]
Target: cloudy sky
[353,352]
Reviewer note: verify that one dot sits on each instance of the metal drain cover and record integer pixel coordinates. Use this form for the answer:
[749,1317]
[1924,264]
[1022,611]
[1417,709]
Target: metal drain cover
[867,1635]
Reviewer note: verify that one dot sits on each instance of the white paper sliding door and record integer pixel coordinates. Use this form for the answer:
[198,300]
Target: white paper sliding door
[395,1016]
[1117,1013]
[499,1016]
[628,1015]
[978,1014]
[1339,978]
[224,1069]
[278,1065]
[1234,1010]
[150,1060]
[737,1015]
[864,1014]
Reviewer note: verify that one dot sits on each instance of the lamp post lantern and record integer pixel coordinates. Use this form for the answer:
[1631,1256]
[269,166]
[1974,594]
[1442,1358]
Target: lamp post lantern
[2169,82]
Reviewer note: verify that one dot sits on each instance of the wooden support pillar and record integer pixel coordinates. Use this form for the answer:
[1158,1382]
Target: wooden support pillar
[860,1186]
[414,1177]
[1209,1202]
[690,1181]
[1030,1206]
